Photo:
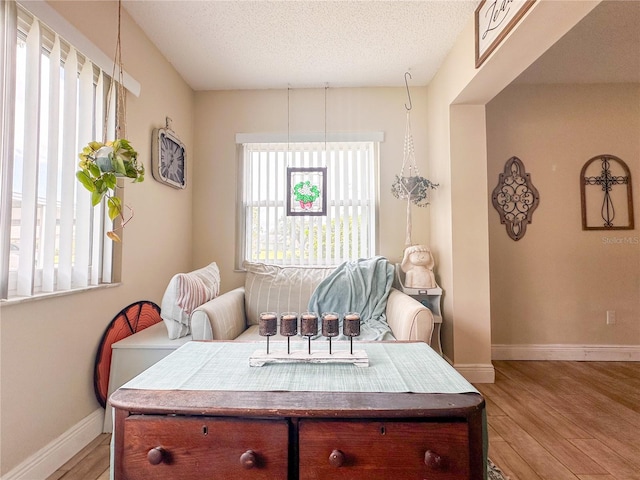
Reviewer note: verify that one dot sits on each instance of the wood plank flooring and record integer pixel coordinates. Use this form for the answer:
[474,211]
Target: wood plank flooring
[547,421]
[565,420]
[90,463]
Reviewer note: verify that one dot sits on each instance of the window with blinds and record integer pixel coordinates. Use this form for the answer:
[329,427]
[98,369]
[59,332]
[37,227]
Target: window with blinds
[52,238]
[347,232]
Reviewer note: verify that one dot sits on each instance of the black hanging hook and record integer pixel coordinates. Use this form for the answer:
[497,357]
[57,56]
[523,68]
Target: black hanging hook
[408,94]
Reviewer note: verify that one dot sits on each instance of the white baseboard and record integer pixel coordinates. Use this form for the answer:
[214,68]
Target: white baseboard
[55,454]
[569,352]
[476,373]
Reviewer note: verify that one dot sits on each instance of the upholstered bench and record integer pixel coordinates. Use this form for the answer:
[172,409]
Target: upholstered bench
[134,354]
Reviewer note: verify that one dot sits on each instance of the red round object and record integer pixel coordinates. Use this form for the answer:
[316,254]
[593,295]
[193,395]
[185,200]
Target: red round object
[131,319]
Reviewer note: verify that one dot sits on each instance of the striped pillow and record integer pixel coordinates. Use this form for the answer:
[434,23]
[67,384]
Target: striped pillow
[271,288]
[185,293]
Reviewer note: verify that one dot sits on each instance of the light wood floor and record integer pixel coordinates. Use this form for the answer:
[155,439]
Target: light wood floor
[547,421]
[565,420]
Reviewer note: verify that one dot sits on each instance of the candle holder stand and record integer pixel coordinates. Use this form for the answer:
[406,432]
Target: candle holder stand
[309,328]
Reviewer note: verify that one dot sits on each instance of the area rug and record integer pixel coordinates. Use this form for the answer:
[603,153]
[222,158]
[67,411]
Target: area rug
[494,473]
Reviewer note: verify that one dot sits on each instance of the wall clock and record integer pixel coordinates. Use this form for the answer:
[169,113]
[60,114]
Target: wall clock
[168,158]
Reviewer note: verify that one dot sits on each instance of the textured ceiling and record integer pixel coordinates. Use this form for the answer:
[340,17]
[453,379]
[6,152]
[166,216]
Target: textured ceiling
[272,44]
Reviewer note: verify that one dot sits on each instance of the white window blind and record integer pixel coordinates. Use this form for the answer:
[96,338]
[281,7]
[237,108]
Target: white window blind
[55,239]
[347,232]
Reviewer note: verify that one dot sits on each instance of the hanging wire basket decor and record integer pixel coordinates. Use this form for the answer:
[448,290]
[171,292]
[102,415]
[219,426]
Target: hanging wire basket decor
[410,185]
[414,189]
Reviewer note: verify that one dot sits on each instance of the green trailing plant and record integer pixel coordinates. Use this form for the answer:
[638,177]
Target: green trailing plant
[100,166]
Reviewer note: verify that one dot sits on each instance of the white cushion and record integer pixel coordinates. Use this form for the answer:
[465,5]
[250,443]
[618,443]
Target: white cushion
[271,288]
[185,293]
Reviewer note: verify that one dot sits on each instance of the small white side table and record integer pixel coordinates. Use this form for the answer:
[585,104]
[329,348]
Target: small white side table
[430,298]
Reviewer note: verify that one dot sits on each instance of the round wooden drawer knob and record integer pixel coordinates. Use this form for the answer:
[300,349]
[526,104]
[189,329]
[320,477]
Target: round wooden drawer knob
[248,459]
[336,459]
[155,455]
[433,460]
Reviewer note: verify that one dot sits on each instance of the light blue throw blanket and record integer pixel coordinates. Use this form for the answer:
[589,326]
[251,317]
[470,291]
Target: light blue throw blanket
[361,286]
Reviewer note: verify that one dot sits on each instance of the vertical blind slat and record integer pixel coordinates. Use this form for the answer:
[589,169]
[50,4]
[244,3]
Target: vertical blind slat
[69,144]
[331,164]
[8,44]
[51,210]
[97,251]
[369,239]
[28,214]
[110,120]
[84,209]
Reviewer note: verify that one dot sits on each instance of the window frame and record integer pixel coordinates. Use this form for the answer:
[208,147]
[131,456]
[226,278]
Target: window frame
[17,21]
[374,138]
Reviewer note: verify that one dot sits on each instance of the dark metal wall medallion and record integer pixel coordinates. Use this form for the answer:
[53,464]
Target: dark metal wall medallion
[515,198]
[608,174]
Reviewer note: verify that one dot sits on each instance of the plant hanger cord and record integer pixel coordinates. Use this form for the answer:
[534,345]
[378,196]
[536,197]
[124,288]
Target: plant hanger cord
[410,185]
[409,162]
[409,157]
[121,99]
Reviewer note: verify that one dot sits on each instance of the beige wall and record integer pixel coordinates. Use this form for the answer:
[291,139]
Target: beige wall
[555,285]
[457,157]
[220,115]
[48,346]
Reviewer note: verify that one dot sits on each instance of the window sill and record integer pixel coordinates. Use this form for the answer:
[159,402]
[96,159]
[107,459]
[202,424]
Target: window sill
[48,295]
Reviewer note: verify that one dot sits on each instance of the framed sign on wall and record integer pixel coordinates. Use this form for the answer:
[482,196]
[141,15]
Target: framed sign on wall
[494,19]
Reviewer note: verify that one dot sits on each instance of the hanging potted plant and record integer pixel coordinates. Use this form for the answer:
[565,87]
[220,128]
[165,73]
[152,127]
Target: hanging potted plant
[410,185]
[101,163]
[100,166]
[415,189]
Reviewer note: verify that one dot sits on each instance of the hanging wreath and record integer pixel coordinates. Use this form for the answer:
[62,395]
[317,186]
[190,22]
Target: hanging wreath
[306,194]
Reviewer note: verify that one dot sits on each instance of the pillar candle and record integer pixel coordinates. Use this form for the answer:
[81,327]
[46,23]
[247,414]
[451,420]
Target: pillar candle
[268,324]
[289,324]
[351,324]
[330,324]
[309,324]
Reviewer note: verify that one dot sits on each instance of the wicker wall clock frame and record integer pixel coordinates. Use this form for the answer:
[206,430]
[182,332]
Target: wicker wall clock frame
[515,198]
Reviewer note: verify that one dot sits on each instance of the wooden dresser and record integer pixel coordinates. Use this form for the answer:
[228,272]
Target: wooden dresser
[223,434]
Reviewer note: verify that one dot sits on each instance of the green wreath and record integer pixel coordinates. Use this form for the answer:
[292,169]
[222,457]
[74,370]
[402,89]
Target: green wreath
[305,192]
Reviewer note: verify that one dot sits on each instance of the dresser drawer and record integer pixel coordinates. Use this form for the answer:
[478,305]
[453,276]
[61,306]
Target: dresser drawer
[177,447]
[383,450]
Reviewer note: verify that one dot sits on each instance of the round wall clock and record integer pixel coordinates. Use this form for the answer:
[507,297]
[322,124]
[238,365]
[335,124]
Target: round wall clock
[168,158]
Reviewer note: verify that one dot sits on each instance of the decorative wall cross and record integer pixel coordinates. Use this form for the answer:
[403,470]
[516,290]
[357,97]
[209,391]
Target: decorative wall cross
[607,180]
[515,198]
